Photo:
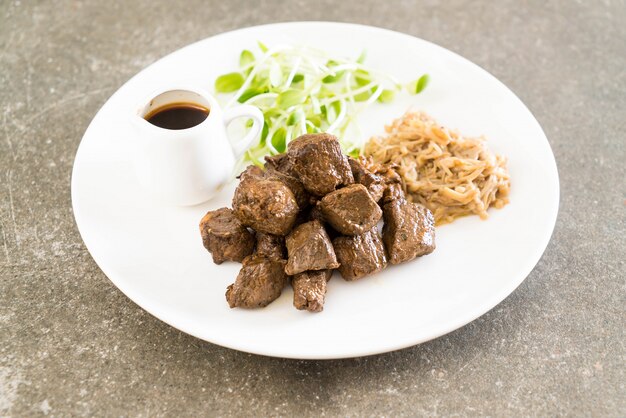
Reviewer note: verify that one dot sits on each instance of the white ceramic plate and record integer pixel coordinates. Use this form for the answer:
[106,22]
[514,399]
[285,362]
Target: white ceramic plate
[155,256]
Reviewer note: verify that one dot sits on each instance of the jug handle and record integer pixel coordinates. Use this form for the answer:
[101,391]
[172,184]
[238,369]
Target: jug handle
[245,111]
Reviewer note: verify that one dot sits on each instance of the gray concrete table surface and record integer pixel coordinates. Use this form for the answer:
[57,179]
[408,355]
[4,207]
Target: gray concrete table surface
[72,344]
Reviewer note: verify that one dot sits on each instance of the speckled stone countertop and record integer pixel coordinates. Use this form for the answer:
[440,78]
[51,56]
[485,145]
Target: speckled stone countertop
[71,344]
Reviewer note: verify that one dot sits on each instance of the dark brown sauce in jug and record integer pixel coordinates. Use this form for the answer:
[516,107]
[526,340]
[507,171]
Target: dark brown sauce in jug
[178,116]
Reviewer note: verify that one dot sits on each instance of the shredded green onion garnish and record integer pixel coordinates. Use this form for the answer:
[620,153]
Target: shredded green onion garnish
[303,90]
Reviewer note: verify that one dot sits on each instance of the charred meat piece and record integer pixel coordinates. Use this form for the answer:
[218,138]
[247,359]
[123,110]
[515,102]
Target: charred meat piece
[360,255]
[409,229]
[252,172]
[387,171]
[265,205]
[297,188]
[390,174]
[319,164]
[280,162]
[393,192]
[309,289]
[225,237]
[374,183]
[350,210]
[309,248]
[260,282]
[315,213]
[270,246]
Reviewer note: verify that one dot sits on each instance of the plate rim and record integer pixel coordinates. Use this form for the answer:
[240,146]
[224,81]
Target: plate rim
[470,316]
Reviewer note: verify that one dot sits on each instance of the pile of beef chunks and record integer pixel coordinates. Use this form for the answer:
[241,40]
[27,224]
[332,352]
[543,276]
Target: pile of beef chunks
[308,212]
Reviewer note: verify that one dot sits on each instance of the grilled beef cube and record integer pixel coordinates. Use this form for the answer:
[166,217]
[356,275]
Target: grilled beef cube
[388,171]
[252,172]
[390,174]
[409,229]
[309,289]
[309,248]
[350,210]
[259,282]
[270,246]
[360,255]
[225,237]
[265,205]
[280,162]
[374,183]
[393,191]
[319,164]
[316,213]
[303,197]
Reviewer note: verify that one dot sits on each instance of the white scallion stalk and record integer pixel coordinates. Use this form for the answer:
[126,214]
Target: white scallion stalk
[261,97]
[374,96]
[292,74]
[340,117]
[352,93]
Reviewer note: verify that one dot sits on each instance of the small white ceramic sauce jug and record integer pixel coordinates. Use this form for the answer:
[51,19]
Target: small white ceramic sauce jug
[189,166]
